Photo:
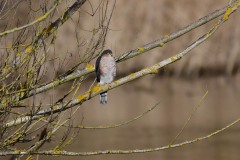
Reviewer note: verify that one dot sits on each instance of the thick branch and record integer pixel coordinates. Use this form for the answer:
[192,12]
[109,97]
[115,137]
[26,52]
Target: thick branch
[70,11]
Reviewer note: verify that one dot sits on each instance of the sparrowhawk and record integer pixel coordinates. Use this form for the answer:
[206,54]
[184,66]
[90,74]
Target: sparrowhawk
[105,71]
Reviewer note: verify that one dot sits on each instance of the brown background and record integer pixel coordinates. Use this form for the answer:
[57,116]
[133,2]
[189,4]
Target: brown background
[208,67]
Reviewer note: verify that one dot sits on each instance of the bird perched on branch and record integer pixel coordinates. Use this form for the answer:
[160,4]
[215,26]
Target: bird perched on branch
[105,71]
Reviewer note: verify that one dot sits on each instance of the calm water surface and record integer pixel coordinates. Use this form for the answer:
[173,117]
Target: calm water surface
[177,98]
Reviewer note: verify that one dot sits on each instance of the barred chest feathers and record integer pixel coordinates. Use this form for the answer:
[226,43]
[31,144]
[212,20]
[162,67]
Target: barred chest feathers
[105,71]
[108,69]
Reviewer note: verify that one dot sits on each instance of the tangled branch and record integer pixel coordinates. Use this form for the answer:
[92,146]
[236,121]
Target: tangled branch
[96,90]
[52,114]
[130,54]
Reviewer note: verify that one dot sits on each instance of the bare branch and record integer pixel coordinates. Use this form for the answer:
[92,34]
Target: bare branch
[146,71]
[33,22]
[158,43]
[66,153]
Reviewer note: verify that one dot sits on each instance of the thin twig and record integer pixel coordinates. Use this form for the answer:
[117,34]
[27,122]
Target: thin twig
[90,153]
[39,19]
[190,117]
[115,125]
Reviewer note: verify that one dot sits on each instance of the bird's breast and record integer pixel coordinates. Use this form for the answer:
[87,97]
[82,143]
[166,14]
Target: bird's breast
[107,69]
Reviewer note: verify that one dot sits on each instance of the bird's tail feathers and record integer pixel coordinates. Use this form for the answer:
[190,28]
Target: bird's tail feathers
[103,98]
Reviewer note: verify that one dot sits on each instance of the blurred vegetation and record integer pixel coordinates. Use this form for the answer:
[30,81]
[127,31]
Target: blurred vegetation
[45,44]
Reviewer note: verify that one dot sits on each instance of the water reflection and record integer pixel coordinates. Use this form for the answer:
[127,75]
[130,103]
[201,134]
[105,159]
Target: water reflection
[177,99]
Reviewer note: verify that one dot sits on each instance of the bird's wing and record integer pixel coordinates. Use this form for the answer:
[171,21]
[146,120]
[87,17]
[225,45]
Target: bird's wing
[97,68]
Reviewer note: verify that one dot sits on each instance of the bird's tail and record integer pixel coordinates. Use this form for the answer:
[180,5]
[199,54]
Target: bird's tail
[103,98]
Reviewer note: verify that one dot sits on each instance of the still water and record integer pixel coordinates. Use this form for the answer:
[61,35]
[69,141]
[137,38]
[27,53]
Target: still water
[177,98]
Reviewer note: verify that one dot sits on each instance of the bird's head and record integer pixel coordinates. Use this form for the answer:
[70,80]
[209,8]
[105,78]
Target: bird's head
[107,51]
